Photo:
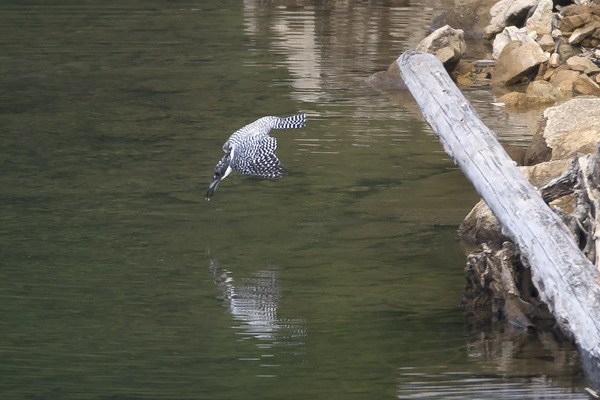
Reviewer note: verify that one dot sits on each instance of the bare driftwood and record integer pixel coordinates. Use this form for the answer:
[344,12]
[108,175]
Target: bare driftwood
[564,277]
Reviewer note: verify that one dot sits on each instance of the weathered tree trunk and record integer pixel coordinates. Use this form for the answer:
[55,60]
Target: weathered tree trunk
[564,277]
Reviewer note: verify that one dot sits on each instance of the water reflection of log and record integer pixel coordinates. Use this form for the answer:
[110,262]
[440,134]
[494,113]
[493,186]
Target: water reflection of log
[563,276]
[445,383]
[253,302]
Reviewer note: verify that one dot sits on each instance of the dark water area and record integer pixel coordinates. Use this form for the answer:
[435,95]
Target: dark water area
[341,280]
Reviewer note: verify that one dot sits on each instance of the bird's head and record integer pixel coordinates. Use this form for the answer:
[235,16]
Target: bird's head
[222,169]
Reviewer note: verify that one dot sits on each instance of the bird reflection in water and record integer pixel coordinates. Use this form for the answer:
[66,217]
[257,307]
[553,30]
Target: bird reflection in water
[253,302]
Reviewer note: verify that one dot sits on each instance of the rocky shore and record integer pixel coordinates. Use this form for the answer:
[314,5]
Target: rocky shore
[545,55]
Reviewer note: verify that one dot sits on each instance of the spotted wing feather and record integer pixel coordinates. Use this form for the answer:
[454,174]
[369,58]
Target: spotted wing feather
[257,158]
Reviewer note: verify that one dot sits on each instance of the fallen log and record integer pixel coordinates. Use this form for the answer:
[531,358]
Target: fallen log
[564,277]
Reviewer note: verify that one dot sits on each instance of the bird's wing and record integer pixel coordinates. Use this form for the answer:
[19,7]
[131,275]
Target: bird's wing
[257,158]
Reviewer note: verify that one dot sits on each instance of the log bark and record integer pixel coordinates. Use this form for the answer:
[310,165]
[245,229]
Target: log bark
[564,277]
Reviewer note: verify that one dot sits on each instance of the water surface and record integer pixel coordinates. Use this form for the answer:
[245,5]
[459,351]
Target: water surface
[341,280]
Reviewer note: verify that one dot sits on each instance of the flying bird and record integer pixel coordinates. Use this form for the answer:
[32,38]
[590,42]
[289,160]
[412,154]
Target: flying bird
[251,151]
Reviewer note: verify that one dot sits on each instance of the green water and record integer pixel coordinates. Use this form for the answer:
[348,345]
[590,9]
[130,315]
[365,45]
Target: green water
[341,280]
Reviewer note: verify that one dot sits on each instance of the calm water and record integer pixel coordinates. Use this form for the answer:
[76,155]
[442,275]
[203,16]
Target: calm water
[342,280]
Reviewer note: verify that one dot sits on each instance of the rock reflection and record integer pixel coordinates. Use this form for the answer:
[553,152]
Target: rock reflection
[325,40]
[508,365]
[512,351]
[253,302]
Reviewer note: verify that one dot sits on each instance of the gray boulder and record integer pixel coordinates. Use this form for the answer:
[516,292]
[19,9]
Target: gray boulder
[541,19]
[508,34]
[508,12]
[573,127]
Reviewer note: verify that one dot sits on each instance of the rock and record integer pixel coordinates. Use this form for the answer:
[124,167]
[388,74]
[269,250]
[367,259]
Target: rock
[582,64]
[539,93]
[554,60]
[539,175]
[465,69]
[480,225]
[573,127]
[581,33]
[516,61]
[564,79]
[571,22]
[463,82]
[471,16]
[389,79]
[567,51]
[464,74]
[515,100]
[585,86]
[509,34]
[447,44]
[546,92]
[514,152]
[540,71]
[541,19]
[556,33]
[546,42]
[571,9]
[538,151]
[508,12]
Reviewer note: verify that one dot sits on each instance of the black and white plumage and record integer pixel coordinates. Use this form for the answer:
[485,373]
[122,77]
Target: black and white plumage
[251,151]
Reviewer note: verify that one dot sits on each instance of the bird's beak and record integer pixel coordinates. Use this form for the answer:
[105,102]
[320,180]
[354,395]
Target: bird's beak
[211,188]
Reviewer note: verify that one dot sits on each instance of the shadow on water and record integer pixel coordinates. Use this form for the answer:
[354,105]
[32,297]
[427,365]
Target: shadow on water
[341,280]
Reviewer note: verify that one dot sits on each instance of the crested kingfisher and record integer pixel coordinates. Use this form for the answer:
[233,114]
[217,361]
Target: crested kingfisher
[251,151]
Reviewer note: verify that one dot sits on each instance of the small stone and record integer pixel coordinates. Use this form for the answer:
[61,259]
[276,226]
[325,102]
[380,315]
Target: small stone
[541,70]
[554,60]
[514,100]
[465,68]
[556,33]
[548,74]
[463,81]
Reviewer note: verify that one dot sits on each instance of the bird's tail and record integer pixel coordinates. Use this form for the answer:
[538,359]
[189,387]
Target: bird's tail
[295,121]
